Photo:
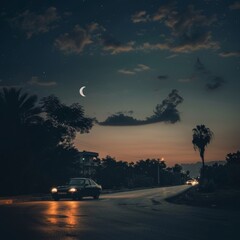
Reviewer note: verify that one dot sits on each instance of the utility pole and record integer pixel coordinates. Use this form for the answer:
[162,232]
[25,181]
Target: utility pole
[83,165]
[158,176]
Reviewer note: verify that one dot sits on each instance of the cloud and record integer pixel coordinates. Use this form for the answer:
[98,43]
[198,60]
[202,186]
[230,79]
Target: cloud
[114,46]
[186,44]
[165,112]
[201,72]
[121,120]
[139,68]
[140,17]
[163,12]
[199,67]
[34,24]
[127,72]
[230,54]
[188,30]
[130,112]
[194,42]
[37,82]
[235,6]
[79,38]
[171,56]
[215,83]
[156,46]
[93,34]
[185,22]
[95,27]
[73,42]
[162,77]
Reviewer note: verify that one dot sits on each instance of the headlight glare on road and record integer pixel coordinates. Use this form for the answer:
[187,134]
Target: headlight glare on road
[54,190]
[72,190]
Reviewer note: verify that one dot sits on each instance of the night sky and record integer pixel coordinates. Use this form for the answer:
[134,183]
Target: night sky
[153,70]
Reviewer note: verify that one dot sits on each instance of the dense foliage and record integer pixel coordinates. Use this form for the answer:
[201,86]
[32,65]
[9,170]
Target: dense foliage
[227,175]
[36,147]
[144,173]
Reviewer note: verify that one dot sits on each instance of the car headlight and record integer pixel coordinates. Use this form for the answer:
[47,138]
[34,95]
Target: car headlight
[72,190]
[54,190]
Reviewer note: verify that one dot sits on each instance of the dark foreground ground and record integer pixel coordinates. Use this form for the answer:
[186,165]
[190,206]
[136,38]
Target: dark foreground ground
[225,198]
[138,215]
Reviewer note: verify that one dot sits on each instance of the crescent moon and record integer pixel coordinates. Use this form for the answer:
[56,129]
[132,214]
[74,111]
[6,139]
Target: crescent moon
[81,91]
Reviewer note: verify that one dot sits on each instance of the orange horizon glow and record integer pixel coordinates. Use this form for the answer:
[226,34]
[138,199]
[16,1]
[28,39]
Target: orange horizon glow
[138,143]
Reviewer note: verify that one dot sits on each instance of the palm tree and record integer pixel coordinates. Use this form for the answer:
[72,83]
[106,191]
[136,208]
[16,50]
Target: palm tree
[19,116]
[202,136]
[17,108]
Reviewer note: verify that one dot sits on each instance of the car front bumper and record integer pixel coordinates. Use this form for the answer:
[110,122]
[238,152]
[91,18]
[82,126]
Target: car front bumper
[65,195]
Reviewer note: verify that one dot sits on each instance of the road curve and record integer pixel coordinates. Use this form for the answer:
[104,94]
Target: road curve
[138,215]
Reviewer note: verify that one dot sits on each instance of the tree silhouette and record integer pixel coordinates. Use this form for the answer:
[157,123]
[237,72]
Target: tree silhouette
[233,158]
[36,143]
[19,113]
[202,136]
[70,119]
[177,168]
[18,108]
[224,175]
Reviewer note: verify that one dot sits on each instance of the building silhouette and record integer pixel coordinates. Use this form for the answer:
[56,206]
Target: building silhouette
[87,163]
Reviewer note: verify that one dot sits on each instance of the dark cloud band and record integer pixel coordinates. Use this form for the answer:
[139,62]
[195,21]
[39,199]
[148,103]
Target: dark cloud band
[165,112]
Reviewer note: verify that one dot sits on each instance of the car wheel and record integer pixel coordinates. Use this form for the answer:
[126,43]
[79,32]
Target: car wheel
[96,196]
[80,198]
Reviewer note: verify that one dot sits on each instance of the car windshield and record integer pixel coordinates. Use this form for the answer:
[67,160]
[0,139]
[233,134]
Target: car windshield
[77,182]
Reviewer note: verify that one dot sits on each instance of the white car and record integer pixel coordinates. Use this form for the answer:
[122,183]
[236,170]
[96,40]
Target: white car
[192,182]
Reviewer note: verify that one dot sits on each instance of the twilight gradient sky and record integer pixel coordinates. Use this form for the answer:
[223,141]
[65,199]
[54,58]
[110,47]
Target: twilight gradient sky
[130,55]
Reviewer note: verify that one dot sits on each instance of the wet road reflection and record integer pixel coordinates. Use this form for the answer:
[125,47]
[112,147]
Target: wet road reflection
[63,214]
[132,215]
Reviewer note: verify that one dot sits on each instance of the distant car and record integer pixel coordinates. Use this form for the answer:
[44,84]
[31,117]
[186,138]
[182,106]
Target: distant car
[76,189]
[192,182]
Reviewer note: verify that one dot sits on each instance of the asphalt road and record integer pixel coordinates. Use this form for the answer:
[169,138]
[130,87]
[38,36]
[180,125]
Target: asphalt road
[137,215]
